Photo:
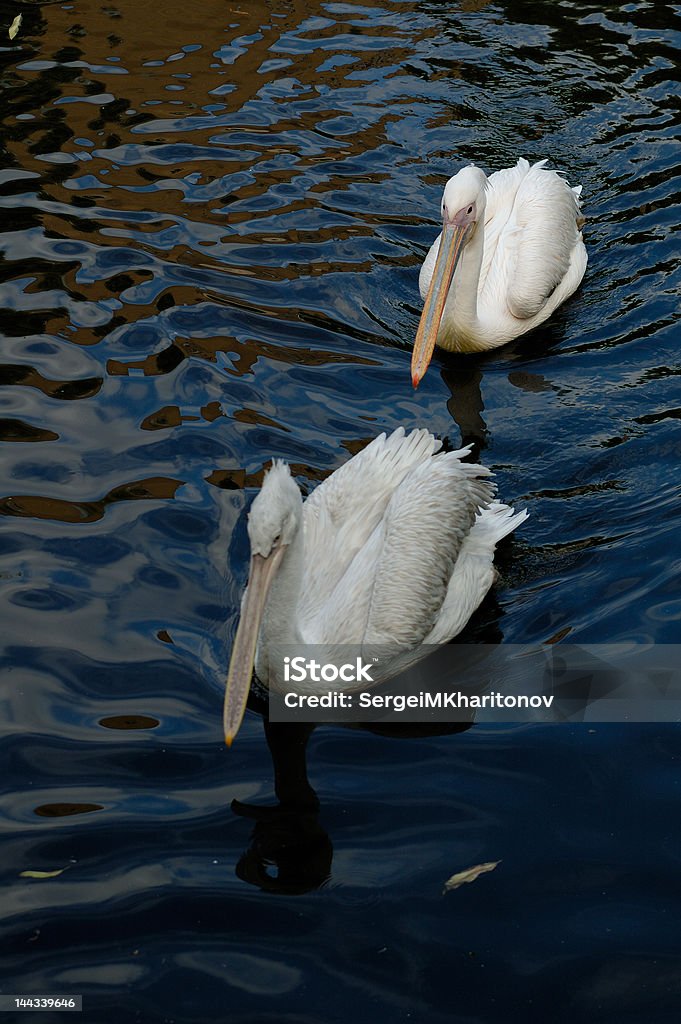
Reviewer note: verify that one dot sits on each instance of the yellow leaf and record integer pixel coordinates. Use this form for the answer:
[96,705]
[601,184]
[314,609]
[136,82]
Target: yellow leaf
[469,875]
[41,874]
[14,27]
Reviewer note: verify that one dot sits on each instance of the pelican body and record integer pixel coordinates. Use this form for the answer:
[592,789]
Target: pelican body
[396,547]
[510,252]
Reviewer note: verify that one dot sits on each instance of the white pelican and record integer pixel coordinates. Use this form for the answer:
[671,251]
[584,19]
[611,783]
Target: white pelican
[395,547]
[510,252]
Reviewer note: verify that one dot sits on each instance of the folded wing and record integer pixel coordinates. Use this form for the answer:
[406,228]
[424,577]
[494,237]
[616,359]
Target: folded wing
[341,514]
[393,589]
[532,240]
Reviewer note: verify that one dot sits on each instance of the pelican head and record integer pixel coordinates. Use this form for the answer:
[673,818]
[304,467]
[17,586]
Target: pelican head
[276,511]
[273,522]
[463,206]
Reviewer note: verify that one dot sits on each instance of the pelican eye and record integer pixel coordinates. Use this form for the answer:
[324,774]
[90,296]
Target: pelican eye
[469,210]
[276,541]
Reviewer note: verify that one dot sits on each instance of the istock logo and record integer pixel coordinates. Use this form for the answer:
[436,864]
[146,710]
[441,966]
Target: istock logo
[300,670]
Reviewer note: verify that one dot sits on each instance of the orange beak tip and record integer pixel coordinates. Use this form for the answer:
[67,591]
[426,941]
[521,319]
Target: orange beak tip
[229,739]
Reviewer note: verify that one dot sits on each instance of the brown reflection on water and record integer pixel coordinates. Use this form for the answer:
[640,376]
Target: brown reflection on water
[28,506]
[168,138]
[129,722]
[169,359]
[62,389]
[239,479]
[65,810]
[253,417]
[172,416]
[18,430]
[158,84]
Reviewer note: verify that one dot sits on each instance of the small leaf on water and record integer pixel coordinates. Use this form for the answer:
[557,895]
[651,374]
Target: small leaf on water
[41,874]
[469,875]
[14,27]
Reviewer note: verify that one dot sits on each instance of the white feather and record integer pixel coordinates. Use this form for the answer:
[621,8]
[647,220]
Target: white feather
[524,259]
[397,548]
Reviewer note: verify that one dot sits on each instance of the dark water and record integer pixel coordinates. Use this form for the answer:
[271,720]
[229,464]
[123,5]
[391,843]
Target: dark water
[212,222]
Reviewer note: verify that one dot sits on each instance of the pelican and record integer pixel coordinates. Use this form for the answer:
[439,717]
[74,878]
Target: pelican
[395,547]
[510,252]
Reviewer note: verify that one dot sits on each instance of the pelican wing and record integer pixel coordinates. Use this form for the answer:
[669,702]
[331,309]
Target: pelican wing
[341,514]
[394,588]
[474,571]
[532,239]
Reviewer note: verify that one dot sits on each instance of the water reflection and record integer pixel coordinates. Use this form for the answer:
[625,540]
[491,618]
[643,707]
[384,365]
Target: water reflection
[67,390]
[290,850]
[288,837]
[466,404]
[38,507]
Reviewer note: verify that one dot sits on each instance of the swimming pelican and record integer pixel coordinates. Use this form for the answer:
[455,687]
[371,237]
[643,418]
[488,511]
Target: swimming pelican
[510,252]
[394,547]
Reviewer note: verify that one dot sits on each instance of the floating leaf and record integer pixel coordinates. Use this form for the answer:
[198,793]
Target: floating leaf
[469,875]
[41,874]
[14,27]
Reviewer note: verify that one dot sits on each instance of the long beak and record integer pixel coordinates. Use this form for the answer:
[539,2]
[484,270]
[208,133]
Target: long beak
[261,574]
[451,245]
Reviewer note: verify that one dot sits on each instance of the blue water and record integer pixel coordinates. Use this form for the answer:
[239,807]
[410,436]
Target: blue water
[212,223]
